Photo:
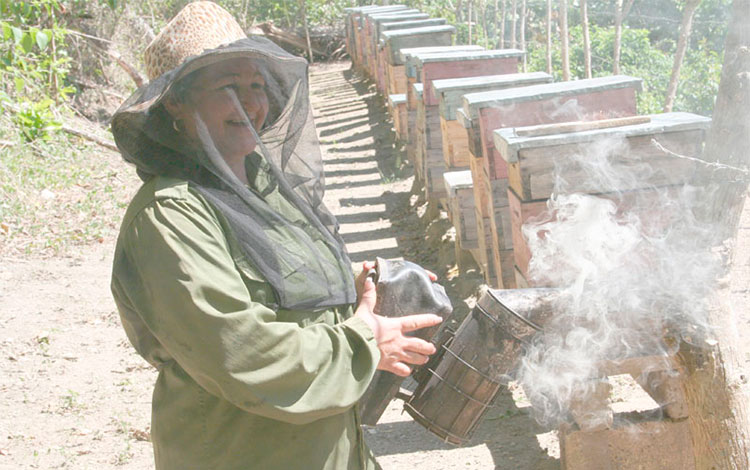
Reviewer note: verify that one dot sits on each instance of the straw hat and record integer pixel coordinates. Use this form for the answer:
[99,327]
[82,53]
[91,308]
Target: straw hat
[197,27]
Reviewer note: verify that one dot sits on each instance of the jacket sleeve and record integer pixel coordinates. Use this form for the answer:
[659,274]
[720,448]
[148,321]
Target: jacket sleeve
[176,272]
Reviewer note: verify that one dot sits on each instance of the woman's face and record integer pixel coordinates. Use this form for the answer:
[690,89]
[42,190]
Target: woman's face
[228,97]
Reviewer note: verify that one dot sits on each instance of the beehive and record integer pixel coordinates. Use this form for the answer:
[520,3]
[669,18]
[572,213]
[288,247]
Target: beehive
[379,65]
[354,27]
[536,156]
[451,64]
[449,93]
[483,112]
[395,75]
[408,58]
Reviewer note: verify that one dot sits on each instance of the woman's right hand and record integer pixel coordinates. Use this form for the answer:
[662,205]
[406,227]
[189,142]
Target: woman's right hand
[396,349]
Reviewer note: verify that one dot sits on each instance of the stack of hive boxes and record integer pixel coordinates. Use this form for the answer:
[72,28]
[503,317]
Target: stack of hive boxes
[488,143]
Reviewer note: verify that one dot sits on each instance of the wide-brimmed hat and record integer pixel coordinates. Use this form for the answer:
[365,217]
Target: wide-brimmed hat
[197,27]
[200,35]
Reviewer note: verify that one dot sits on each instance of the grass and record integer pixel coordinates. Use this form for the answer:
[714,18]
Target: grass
[58,194]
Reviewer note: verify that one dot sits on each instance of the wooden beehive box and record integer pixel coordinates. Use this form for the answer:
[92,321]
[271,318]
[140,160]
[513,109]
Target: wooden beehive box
[449,93]
[408,58]
[397,108]
[395,75]
[460,190]
[537,155]
[433,36]
[354,26]
[451,64]
[371,37]
[378,51]
[457,64]
[360,31]
[483,112]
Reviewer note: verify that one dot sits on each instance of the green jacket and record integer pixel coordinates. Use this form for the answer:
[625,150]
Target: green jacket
[240,386]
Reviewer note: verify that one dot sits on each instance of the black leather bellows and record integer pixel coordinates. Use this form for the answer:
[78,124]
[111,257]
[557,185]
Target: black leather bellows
[403,288]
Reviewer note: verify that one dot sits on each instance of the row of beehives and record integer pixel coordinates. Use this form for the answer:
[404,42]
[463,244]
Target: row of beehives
[487,141]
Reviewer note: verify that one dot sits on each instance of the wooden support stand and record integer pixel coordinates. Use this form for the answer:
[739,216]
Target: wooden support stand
[647,441]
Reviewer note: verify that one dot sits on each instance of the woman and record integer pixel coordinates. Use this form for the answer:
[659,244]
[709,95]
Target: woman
[229,273]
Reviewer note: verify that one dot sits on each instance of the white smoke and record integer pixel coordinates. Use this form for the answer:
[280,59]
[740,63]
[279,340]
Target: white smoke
[636,268]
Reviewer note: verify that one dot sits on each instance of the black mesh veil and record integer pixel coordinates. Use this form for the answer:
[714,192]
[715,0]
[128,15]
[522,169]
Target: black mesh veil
[278,217]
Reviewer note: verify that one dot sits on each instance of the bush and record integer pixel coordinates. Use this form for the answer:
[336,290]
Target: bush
[699,77]
[34,65]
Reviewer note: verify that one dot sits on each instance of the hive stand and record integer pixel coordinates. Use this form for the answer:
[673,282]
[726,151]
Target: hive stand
[599,440]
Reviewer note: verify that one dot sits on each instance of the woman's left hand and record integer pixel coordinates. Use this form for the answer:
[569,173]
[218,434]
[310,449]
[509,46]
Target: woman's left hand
[397,350]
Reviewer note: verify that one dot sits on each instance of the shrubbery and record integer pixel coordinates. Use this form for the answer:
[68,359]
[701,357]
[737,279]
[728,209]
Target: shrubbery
[699,78]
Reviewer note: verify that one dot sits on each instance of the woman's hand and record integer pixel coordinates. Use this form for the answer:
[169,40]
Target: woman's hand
[396,349]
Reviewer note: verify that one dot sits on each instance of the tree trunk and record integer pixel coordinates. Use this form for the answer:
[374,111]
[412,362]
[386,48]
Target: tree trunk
[715,385]
[522,44]
[586,39]
[483,10]
[620,14]
[307,32]
[682,44]
[496,31]
[549,37]
[502,24]
[469,20]
[514,10]
[459,8]
[564,39]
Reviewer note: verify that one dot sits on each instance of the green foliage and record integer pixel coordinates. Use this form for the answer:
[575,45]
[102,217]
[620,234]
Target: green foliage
[33,63]
[640,58]
[36,119]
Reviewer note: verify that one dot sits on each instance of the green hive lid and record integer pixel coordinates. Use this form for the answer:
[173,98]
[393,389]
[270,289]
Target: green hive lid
[409,55]
[373,7]
[510,143]
[450,56]
[418,90]
[450,91]
[472,102]
[446,28]
[457,180]
[396,99]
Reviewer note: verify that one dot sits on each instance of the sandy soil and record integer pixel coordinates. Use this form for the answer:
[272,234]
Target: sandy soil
[73,393]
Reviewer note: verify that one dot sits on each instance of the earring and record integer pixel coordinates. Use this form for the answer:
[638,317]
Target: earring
[175,126]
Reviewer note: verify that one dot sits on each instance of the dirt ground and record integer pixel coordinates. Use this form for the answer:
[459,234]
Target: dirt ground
[73,393]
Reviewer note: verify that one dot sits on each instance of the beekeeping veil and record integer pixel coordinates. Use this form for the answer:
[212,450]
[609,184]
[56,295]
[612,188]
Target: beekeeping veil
[298,250]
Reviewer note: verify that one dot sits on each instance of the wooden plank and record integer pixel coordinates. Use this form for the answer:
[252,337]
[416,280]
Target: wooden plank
[455,145]
[520,212]
[578,126]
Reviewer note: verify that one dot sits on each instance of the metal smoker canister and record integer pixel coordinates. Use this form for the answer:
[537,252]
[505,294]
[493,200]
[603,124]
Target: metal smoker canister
[403,288]
[458,386]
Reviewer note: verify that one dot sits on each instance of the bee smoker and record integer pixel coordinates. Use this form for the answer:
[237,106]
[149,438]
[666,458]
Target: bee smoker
[403,288]
[463,378]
